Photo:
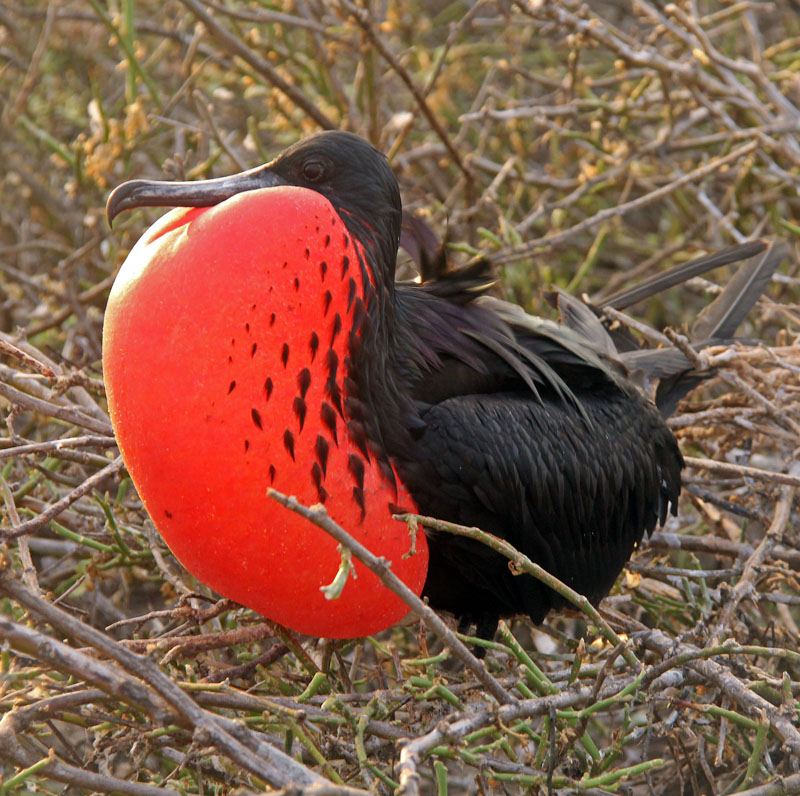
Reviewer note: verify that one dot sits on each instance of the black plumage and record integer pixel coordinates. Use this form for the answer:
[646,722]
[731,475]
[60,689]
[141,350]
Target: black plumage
[530,432]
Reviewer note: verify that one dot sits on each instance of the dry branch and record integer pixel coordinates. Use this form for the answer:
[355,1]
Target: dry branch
[319,517]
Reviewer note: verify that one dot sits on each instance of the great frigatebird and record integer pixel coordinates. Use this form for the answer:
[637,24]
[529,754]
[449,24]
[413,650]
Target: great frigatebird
[486,415]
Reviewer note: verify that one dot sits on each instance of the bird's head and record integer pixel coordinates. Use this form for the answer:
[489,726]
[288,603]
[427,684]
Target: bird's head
[354,176]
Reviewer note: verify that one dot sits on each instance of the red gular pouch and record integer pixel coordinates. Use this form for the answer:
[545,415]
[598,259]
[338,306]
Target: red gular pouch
[224,352]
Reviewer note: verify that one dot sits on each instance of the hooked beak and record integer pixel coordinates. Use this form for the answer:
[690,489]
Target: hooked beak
[200,193]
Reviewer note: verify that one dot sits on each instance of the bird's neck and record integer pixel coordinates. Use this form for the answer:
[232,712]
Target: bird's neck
[378,397]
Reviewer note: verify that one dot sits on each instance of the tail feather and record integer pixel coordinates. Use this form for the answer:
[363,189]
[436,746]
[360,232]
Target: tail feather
[682,273]
[720,319]
[667,373]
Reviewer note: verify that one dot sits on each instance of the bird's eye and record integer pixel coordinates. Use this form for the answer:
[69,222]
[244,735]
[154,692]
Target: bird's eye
[313,171]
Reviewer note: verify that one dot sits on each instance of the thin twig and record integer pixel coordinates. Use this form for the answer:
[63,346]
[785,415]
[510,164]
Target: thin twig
[319,517]
[253,754]
[745,586]
[65,502]
[49,409]
[362,17]
[236,46]
[524,564]
[55,445]
[742,471]
[618,211]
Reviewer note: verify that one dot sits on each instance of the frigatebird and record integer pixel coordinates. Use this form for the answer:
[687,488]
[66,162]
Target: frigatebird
[532,430]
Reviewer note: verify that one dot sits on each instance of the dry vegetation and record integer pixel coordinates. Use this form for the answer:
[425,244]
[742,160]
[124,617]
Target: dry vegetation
[584,145]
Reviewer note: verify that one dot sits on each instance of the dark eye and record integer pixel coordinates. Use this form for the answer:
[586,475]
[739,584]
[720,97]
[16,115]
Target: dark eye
[313,171]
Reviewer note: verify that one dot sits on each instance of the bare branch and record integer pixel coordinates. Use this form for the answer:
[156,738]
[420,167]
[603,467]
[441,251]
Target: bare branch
[380,567]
